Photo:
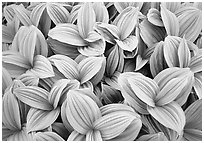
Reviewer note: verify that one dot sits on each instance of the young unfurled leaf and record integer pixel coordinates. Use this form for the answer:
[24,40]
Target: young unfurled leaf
[170,115]
[101,12]
[86,19]
[154,17]
[39,119]
[48,136]
[81,111]
[34,96]
[171,22]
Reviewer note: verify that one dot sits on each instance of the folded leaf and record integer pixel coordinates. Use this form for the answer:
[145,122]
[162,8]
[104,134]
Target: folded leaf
[93,135]
[57,13]
[60,129]
[6,133]
[129,44]
[81,111]
[196,63]
[153,137]
[75,136]
[198,84]
[39,119]
[48,136]
[29,79]
[93,36]
[65,65]
[172,6]
[101,12]
[34,96]
[170,115]
[42,67]
[126,21]
[184,54]
[8,32]
[154,17]
[67,33]
[140,62]
[9,12]
[120,6]
[89,67]
[192,135]
[86,19]
[6,79]
[37,13]
[10,112]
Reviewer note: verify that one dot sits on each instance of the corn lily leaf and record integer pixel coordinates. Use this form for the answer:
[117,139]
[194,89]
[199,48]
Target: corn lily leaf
[170,21]
[75,136]
[36,13]
[171,44]
[89,67]
[47,136]
[42,67]
[194,116]
[67,33]
[81,111]
[8,32]
[198,84]
[101,12]
[93,36]
[60,129]
[153,137]
[192,135]
[150,33]
[40,119]
[65,65]
[170,115]
[57,13]
[59,88]
[184,54]
[187,16]
[129,44]
[144,88]
[15,63]
[74,13]
[86,19]
[126,21]
[170,91]
[113,124]
[196,63]
[10,112]
[93,135]
[140,62]
[6,133]
[6,79]
[9,12]
[21,135]
[109,31]
[29,79]
[34,96]
[157,61]
[23,15]
[127,92]
[120,6]
[154,17]
[172,6]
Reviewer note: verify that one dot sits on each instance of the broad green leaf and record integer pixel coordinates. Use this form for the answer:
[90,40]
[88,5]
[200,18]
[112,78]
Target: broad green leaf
[75,136]
[170,91]
[89,67]
[101,12]
[194,115]
[184,54]
[29,78]
[67,33]
[39,119]
[154,17]
[57,13]
[129,44]
[150,33]
[113,124]
[65,65]
[190,21]
[126,21]
[23,15]
[36,13]
[10,112]
[81,111]
[196,63]
[171,44]
[171,116]
[48,136]
[144,88]
[170,21]
[93,135]
[172,6]
[198,84]
[86,19]
[153,137]
[93,36]
[42,67]
[34,96]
